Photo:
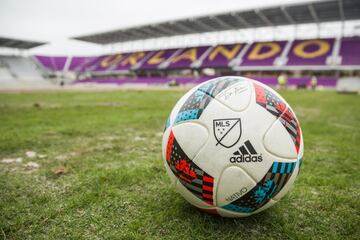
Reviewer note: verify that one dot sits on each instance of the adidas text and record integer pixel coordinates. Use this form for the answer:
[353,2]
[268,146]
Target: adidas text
[246,158]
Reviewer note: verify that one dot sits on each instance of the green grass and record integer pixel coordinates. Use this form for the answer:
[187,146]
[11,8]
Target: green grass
[114,186]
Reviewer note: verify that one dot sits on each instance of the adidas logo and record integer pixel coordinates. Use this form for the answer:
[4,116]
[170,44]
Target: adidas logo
[246,153]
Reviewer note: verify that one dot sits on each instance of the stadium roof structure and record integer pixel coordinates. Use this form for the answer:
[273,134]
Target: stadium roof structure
[310,12]
[19,44]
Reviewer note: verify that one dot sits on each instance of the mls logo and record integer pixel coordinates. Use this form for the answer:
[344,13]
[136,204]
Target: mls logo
[227,132]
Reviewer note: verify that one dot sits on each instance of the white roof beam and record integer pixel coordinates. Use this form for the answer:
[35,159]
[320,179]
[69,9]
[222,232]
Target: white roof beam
[149,31]
[221,22]
[287,15]
[263,17]
[183,27]
[341,10]
[313,13]
[241,20]
[204,25]
[137,34]
[166,30]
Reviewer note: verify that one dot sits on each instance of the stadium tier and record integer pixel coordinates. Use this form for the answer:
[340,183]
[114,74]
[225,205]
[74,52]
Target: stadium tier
[298,54]
[16,71]
[52,63]
[350,51]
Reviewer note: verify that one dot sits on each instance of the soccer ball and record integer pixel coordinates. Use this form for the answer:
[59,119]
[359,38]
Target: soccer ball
[232,146]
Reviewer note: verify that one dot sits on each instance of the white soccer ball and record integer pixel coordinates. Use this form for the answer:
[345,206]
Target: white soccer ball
[232,146]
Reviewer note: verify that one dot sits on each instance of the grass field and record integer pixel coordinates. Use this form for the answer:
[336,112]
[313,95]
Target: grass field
[103,176]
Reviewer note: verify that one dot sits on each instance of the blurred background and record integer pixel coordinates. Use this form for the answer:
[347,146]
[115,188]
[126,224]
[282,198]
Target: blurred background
[142,44]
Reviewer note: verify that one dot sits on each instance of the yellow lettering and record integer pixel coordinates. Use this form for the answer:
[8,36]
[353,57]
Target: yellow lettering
[256,53]
[111,60]
[190,55]
[157,58]
[133,58]
[322,48]
[228,54]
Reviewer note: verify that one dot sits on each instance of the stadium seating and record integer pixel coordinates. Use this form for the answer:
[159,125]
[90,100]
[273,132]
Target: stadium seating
[316,54]
[16,71]
[16,67]
[5,74]
[23,68]
[350,51]
[52,63]
[77,63]
[257,55]
[262,54]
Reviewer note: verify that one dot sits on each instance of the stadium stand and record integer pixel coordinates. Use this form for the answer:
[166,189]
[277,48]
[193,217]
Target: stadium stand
[5,74]
[16,71]
[327,59]
[52,63]
[19,71]
[316,54]
[77,63]
[298,53]
[22,67]
[350,52]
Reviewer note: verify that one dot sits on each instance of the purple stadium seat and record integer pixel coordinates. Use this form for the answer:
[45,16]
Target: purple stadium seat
[76,62]
[187,57]
[45,62]
[263,53]
[259,54]
[350,51]
[155,58]
[313,52]
[52,63]
[221,55]
[310,52]
[59,63]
